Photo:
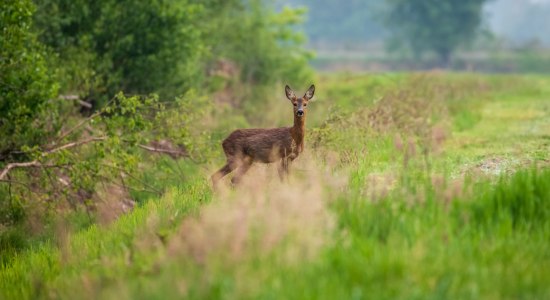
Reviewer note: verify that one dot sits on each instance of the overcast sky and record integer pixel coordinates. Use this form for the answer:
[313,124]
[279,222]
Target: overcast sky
[520,21]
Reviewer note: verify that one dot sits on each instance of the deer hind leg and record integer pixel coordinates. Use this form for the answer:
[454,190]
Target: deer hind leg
[226,169]
[245,165]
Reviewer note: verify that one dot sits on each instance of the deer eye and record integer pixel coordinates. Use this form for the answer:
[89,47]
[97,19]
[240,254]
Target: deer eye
[305,104]
[295,104]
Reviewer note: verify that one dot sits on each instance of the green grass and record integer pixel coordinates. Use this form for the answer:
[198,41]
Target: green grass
[102,252]
[421,186]
[493,244]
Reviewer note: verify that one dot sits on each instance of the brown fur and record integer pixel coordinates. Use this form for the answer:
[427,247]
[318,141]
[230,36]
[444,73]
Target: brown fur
[243,147]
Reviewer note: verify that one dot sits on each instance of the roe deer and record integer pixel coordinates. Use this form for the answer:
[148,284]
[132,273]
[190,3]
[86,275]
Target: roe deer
[243,147]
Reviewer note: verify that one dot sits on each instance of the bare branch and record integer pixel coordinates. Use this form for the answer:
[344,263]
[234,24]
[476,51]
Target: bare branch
[69,97]
[134,178]
[96,114]
[68,132]
[74,144]
[161,150]
[77,99]
[84,103]
[35,163]
[126,186]
[10,166]
[30,164]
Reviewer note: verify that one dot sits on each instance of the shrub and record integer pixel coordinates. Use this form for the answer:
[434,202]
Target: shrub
[107,46]
[25,84]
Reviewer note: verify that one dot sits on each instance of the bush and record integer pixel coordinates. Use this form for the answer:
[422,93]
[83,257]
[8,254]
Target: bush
[25,84]
[100,157]
[263,43]
[135,46]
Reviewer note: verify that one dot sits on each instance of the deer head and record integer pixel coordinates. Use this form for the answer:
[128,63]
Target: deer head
[300,104]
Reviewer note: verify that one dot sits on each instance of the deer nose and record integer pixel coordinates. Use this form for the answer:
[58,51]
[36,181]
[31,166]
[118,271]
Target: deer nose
[300,113]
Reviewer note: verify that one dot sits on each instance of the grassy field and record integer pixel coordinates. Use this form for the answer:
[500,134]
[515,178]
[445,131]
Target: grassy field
[428,185]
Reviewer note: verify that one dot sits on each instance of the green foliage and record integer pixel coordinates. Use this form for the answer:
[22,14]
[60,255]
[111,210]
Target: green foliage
[25,85]
[94,156]
[166,46]
[263,43]
[134,46]
[434,26]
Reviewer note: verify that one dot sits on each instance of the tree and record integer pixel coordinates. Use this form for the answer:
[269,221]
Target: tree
[437,26]
[138,47]
[264,43]
[25,86]
[164,46]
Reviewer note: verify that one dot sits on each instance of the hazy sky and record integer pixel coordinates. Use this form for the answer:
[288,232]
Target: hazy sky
[520,21]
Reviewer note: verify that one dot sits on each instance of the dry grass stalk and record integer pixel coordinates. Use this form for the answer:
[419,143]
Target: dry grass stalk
[260,217]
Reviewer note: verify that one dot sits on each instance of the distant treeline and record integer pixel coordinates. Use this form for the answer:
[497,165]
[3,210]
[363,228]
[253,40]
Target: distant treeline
[411,27]
[494,36]
[348,22]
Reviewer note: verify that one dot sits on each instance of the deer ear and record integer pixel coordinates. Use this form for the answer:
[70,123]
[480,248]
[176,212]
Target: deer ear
[310,92]
[289,93]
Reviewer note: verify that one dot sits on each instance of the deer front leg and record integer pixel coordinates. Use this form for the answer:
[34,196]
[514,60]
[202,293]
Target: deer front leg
[282,169]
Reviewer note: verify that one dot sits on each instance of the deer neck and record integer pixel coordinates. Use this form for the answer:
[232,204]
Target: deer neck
[298,130]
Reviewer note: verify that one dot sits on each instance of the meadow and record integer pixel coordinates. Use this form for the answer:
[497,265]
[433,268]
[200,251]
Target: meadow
[412,186]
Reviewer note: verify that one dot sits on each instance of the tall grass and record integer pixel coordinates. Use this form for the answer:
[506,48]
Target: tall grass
[486,243]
